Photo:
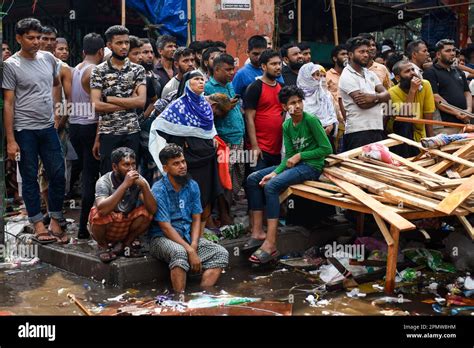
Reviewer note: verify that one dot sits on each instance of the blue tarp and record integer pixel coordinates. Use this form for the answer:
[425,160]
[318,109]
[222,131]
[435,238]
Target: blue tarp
[171,13]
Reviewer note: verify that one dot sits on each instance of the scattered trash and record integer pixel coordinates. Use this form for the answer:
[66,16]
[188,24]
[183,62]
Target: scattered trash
[469,283]
[455,311]
[431,258]
[208,301]
[87,286]
[354,293]
[378,287]
[407,275]
[392,312]
[371,244]
[61,291]
[433,286]
[388,299]
[459,300]
[440,300]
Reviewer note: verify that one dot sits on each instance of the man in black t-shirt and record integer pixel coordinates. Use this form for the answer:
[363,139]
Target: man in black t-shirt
[450,86]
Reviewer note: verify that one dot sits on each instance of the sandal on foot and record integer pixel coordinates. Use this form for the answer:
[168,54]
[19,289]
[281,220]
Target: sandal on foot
[262,257]
[252,243]
[61,237]
[37,238]
[106,255]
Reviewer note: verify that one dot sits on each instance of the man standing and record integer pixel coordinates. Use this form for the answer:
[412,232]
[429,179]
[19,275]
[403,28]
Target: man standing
[48,38]
[418,54]
[83,124]
[249,72]
[293,60]
[6,52]
[28,79]
[61,50]
[362,94]
[135,51]
[449,86]
[379,69]
[165,69]
[263,113]
[305,49]
[175,232]
[124,207]
[183,62]
[412,97]
[118,88]
[230,128]
[153,92]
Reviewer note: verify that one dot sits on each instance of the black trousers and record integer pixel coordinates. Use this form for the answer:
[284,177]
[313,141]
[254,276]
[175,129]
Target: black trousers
[109,142]
[358,139]
[82,139]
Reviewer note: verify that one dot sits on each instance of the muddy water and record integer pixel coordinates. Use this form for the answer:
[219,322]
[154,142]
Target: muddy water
[43,289]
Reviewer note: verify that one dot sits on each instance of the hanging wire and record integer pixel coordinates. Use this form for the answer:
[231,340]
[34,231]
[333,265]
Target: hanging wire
[4,14]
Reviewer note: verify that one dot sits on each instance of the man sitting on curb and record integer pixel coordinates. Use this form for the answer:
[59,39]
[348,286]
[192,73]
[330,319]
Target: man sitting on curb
[175,232]
[117,218]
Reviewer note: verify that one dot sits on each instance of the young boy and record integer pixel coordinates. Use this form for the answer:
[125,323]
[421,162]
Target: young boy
[306,147]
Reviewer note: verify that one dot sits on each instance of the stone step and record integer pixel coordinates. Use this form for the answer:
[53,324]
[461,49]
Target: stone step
[81,259]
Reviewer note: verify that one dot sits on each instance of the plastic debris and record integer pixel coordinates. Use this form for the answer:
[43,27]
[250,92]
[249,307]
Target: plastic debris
[61,291]
[87,286]
[433,286]
[207,301]
[392,312]
[407,275]
[469,283]
[388,299]
[440,300]
[378,287]
[355,293]
[431,258]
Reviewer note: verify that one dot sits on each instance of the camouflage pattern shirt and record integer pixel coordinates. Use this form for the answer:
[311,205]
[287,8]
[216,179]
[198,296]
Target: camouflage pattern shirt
[118,83]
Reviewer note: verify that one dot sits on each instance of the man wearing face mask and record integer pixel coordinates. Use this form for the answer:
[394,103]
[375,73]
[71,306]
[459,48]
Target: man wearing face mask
[118,89]
[449,86]
[293,58]
[412,97]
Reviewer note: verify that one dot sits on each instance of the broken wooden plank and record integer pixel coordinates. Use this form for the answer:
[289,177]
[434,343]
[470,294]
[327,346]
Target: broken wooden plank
[385,212]
[392,255]
[445,164]
[324,186]
[457,197]
[285,194]
[467,226]
[418,168]
[433,151]
[383,229]
[368,184]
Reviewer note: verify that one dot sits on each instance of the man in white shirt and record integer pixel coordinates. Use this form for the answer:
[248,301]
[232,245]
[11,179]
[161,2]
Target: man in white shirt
[362,94]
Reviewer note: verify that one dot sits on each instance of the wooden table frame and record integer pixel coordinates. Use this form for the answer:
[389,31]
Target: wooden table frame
[391,235]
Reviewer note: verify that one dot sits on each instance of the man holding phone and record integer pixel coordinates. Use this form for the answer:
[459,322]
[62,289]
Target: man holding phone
[230,127]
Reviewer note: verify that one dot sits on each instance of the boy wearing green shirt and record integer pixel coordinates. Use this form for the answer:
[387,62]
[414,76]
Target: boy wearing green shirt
[306,147]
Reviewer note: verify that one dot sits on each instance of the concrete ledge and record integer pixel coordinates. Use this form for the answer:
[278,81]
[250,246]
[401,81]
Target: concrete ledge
[81,259]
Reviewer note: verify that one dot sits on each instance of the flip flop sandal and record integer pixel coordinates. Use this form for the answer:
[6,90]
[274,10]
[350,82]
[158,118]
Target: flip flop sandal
[106,255]
[37,239]
[60,237]
[262,257]
[252,243]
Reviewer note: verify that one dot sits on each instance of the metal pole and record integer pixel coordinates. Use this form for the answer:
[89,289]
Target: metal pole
[123,12]
[3,193]
[334,22]
[298,9]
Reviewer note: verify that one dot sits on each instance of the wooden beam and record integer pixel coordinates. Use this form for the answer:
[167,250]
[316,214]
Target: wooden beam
[457,197]
[432,122]
[324,186]
[285,194]
[433,151]
[383,228]
[385,212]
[392,256]
[123,13]
[467,226]
[417,167]
[368,184]
[445,164]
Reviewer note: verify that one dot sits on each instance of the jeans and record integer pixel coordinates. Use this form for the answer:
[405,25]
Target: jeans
[45,144]
[82,139]
[270,193]
[110,142]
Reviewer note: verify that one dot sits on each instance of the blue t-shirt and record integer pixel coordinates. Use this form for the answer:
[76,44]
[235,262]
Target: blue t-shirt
[245,76]
[231,127]
[177,208]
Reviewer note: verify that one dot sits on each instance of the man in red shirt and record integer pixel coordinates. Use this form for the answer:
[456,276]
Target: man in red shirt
[263,114]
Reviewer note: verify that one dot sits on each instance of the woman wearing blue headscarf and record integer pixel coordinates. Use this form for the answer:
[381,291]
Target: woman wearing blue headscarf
[188,122]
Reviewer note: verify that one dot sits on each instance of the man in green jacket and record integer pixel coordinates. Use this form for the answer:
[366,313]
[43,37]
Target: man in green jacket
[306,147]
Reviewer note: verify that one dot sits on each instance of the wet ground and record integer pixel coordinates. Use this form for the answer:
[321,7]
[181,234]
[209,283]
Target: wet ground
[42,290]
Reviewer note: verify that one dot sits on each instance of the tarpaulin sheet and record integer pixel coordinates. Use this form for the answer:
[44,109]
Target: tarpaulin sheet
[171,13]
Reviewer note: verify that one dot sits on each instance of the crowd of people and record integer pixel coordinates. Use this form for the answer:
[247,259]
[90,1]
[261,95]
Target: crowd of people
[165,139]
